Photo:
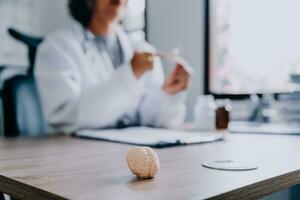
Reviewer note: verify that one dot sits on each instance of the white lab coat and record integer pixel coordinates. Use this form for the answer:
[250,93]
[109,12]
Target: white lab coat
[80,89]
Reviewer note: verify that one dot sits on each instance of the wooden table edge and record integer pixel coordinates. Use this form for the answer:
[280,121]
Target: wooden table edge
[19,190]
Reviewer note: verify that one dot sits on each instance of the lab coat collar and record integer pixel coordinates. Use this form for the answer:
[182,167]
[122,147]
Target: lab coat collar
[126,46]
[88,38]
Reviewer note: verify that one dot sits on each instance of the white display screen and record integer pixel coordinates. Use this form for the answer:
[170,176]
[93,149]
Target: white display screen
[254,45]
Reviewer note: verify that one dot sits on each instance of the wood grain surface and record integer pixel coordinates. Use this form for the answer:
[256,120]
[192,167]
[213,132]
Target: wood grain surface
[63,167]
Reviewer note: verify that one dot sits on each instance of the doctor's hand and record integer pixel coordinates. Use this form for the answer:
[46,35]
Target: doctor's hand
[141,63]
[178,81]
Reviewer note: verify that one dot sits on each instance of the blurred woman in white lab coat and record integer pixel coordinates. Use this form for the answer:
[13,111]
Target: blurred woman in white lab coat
[91,75]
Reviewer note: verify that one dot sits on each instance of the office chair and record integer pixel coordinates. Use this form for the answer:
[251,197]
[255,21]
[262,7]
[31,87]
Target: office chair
[21,105]
[31,42]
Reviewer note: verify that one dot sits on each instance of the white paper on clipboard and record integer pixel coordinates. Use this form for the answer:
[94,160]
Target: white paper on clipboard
[153,137]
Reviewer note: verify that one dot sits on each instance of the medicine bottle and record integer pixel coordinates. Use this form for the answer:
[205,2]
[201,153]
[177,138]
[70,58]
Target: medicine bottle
[223,110]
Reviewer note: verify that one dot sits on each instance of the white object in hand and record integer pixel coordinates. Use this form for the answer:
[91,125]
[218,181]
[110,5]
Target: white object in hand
[174,57]
[143,162]
[171,55]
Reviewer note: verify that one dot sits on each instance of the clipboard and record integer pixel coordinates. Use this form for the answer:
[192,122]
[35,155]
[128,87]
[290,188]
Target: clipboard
[152,137]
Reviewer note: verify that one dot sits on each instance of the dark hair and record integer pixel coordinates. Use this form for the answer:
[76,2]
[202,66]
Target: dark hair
[81,11]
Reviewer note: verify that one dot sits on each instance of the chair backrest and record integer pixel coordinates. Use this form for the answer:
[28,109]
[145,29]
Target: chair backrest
[22,110]
[21,105]
[31,42]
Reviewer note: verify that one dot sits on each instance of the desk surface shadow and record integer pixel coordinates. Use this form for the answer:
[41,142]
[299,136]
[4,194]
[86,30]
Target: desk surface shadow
[71,168]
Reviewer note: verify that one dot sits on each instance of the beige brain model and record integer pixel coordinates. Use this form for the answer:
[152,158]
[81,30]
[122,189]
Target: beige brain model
[143,162]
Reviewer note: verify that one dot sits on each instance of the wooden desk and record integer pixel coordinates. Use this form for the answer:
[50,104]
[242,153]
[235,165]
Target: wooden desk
[64,167]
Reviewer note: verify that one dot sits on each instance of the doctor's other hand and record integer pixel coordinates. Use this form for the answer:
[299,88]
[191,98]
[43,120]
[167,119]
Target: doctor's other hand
[178,80]
[141,63]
